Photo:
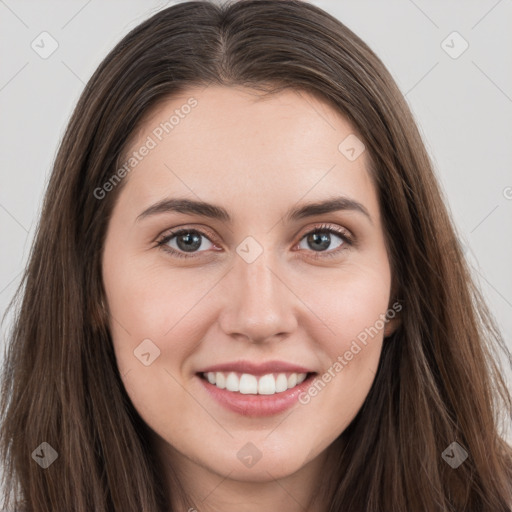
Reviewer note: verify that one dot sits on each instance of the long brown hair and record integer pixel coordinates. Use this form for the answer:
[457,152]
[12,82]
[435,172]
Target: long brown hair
[439,380]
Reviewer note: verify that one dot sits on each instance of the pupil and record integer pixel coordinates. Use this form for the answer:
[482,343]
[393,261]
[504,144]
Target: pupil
[323,238]
[192,242]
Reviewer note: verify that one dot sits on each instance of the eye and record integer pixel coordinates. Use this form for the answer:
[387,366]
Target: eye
[186,240]
[320,239]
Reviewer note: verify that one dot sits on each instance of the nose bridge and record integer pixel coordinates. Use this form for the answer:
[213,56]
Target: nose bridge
[258,279]
[260,305]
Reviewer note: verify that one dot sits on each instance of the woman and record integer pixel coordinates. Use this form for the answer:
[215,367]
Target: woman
[246,289]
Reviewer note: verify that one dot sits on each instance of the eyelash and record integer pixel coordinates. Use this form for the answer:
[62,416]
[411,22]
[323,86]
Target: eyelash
[342,233]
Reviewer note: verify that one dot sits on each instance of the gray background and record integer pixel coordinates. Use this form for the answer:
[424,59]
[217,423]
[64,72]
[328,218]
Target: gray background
[463,107]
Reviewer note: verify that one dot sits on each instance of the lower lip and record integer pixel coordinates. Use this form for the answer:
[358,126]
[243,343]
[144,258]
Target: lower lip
[257,405]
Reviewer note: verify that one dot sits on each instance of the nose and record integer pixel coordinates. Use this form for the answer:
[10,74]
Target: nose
[259,305]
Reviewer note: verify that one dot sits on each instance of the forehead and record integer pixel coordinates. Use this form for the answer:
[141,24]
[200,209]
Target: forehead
[234,144]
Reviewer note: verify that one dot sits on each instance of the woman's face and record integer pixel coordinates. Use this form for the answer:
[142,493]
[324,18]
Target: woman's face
[248,292]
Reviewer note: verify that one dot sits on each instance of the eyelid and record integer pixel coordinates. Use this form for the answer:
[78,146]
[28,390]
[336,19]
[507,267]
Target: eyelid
[161,241]
[343,233]
[188,229]
[349,241]
[333,228]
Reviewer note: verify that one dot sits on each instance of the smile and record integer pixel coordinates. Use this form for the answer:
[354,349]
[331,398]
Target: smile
[248,384]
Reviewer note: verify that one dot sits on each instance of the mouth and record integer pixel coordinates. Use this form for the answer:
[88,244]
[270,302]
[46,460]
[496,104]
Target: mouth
[249,384]
[262,392]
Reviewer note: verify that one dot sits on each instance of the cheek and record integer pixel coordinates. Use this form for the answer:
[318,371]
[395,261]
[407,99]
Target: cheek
[347,326]
[148,302]
[153,311]
[173,308]
[345,304]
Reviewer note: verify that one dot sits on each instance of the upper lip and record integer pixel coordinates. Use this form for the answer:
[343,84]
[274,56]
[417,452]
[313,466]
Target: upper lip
[257,368]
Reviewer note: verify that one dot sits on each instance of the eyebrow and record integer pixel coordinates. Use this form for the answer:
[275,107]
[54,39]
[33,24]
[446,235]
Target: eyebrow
[193,207]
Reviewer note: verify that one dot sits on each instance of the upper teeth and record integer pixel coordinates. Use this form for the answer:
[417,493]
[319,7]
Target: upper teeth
[250,384]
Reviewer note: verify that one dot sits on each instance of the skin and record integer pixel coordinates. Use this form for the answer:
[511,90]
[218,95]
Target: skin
[256,158]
